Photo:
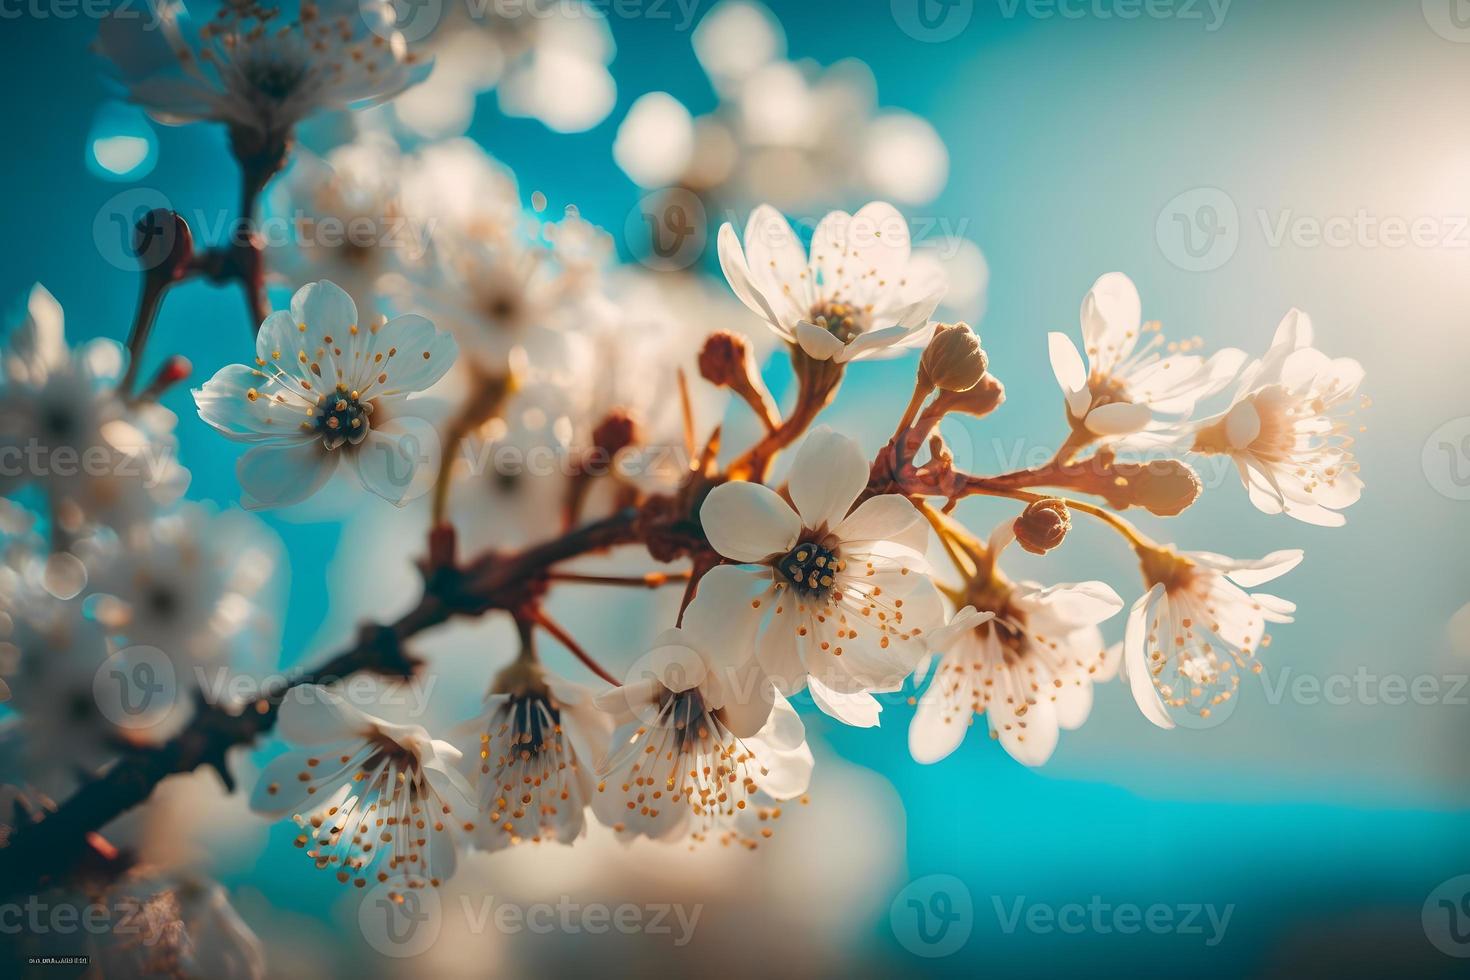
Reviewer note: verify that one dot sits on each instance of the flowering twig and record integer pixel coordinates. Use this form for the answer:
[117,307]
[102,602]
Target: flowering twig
[41,851]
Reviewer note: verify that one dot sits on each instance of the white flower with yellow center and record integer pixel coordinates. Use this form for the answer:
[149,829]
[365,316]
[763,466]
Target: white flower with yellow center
[326,390]
[1288,431]
[857,296]
[531,756]
[705,746]
[64,427]
[840,599]
[257,67]
[371,797]
[1190,636]
[1123,385]
[1024,656]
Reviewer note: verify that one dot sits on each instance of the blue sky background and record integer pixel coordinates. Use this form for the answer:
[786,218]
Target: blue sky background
[1325,825]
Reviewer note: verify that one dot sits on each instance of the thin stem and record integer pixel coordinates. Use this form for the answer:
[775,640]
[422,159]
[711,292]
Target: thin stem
[550,625]
[923,388]
[961,561]
[1135,537]
[653,580]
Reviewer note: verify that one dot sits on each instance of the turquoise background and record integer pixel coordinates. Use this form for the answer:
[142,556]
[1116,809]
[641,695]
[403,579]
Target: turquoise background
[1325,825]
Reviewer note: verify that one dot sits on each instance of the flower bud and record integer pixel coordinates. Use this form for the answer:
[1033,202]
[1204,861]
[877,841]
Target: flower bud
[980,400]
[1163,486]
[615,433]
[953,360]
[1043,525]
[722,359]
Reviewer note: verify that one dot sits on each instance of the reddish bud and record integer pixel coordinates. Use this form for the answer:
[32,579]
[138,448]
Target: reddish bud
[1043,525]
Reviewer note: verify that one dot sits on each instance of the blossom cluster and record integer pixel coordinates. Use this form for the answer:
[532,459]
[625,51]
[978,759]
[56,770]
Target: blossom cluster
[616,407]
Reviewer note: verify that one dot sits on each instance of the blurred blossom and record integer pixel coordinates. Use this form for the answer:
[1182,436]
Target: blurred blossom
[789,133]
[188,584]
[63,427]
[547,59]
[655,143]
[260,70]
[734,39]
[342,219]
[121,144]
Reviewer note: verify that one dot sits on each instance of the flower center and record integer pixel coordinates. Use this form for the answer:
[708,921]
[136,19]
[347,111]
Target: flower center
[842,320]
[810,568]
[344,418]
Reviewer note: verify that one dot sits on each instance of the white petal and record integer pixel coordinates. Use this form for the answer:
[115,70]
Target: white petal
[1294,331]
[388,460]
[314,715]
[737,273]
[276,476]
[1112,315]
[886,517]
[1242,425]
[1140,681]
[748,521]
[727,610]
[818,344]
[858,710]
[829,473]
[225,403]
[1117,418]
[1066,363]
[420,355]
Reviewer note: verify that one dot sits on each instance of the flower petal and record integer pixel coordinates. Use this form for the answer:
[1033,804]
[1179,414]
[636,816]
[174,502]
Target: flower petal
[818,344]
[829,473]
[1140,681]
[859,710]
[748,522]
[277,476]
[1117,419]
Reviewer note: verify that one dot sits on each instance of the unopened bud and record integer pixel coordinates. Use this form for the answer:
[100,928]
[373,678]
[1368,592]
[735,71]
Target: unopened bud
[1043,525]
[615,433]
[1163,486]
[722,359]
[163,244]
[982,399]
[953,360]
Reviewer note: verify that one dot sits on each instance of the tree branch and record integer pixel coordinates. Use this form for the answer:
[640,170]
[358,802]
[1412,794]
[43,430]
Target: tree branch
[44,850]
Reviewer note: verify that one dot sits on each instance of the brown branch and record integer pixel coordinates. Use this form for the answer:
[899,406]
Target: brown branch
[42,851]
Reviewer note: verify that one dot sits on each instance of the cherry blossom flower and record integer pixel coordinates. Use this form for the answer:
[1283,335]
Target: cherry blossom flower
[1287,429]
[1024,656]
[531,757]
[704,742]
[840,598]
[1196,628]
[856,297]
[366,793]
[64,427]
[256,67]
[189,584]
[1124,385]
[326,390]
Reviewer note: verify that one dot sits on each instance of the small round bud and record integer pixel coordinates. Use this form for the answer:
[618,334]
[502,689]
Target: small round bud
[1043,525]
[1163,486]
[953,360]
[722,359]
[980,400]
[615,433]
[163,244]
